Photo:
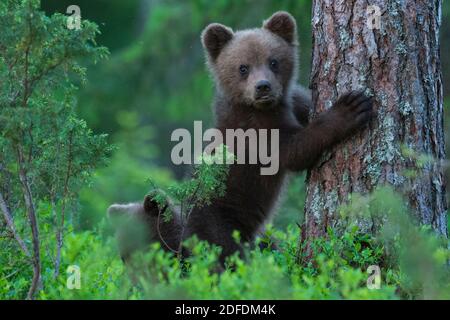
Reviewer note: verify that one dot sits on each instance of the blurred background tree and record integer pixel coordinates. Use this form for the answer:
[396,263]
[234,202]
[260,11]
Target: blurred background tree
[47,152]
[155,81]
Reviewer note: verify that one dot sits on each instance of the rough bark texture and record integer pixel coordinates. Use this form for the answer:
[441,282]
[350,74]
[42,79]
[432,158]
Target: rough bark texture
[398,64]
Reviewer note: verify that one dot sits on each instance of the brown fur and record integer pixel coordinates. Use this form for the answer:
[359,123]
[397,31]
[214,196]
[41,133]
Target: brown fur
[250,197]
[138,224]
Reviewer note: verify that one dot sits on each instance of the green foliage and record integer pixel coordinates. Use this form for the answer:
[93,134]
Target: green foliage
[339,269]
[163,77]
[37,117]
[102,273]
[152,84]
[420,255]
[155,83]
[293,203]
[207,182]
[157,274]
[47,152]
[126,177]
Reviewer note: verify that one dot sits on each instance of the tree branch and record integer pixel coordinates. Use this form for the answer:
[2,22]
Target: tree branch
[60,228]
[10,223]
[33,224]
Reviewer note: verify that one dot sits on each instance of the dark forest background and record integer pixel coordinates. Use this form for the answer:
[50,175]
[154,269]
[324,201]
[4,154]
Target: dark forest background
[156,80]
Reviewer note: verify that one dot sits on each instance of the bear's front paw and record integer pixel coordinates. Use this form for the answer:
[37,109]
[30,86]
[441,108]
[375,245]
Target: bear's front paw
[352,111]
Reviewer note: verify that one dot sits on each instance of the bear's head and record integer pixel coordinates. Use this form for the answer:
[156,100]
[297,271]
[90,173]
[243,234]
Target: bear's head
[253,67]
[136,225]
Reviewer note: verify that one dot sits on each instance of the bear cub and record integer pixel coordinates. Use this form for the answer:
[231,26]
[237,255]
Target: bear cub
[139,224]
[255,74]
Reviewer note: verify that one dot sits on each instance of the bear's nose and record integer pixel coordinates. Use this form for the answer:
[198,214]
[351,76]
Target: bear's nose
[263,86]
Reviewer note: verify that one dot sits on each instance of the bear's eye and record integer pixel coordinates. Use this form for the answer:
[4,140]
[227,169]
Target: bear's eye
[273,64]
[243,69]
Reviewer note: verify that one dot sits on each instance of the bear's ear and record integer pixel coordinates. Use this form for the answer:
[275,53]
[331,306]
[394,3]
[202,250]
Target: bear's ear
[282,24]
[214,38]
[150,205]
[122,210]
[115,210]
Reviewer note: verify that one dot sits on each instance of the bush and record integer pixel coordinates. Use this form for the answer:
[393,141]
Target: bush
[50,158]
[47,152]
[157,274]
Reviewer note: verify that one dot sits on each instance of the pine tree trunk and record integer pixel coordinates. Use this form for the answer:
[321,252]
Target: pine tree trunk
[399,64]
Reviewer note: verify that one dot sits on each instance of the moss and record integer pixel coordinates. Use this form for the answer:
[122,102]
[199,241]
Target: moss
[395,20]
[345,178]
[401,48]
[316,205]
[331,202]
[326,67]
[364,224]
[387,148]
[363,74]
[405,108]
[344,39]
[373,169]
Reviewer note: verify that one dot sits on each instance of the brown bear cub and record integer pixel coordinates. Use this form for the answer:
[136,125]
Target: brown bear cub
[255,73]
[139,224]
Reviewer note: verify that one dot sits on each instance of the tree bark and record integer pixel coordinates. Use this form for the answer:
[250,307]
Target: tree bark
[32,218]
[12,227]
[399,65]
